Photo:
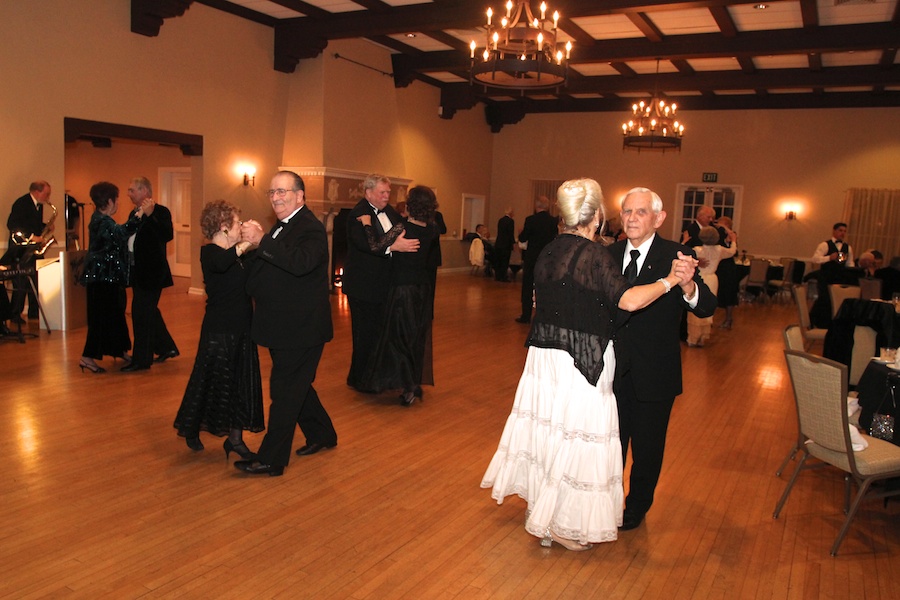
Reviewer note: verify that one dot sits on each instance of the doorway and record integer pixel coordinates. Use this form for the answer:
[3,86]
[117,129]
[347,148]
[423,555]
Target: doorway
[175,193]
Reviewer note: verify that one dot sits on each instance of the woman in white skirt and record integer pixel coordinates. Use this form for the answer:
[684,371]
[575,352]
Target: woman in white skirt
[560,449]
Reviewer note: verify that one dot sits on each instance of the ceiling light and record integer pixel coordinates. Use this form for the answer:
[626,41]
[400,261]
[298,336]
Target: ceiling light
[521,50]
[653,125]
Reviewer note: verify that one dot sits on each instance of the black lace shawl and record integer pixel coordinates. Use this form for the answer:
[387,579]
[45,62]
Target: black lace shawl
[577,287]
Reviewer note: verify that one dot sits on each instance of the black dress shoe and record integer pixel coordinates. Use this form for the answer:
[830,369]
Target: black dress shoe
[133,366]
[631,520]
[254,467]
[523,319]
[166,356]
[313,448]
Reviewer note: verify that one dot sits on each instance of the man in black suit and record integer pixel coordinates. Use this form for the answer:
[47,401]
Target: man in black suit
[503,245]
[149,275]
[648,349]
[289,282]
[26,218]
[538,231]
[367,274]
[705,216]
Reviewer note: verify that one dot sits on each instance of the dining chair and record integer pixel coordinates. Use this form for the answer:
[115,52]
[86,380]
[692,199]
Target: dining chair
[810,334]
[840,292]
[820,395]
[793,340]
[758,277]
[783,286]
[870,288]
[864,349]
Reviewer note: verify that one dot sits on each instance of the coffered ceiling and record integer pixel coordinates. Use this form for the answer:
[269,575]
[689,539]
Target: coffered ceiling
[712,54]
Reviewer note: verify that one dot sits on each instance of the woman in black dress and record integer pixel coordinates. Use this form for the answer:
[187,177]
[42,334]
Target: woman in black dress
[729,277]
[106,270]
[224,393]
[398,359]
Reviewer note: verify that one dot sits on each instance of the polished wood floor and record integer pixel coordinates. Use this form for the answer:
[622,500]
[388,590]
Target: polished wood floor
[101,499]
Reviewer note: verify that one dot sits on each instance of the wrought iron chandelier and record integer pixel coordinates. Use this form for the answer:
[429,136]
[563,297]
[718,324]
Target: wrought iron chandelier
[522,51]
[653,125]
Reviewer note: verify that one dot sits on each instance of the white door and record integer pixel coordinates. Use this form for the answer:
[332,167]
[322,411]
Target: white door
[472,213]
[725,199]
[175,193]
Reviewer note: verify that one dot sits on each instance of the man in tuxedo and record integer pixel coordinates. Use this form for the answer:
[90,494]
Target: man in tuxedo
[648,348]
[367,274]
[704,218]
[538,231]
[289,283]
[26,218]
[149,275]
[503,245]
[834,257]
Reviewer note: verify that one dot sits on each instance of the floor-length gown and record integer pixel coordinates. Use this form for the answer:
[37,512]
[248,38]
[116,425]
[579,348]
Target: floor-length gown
[224,391]
[398,359]
[560,449]
[700,328]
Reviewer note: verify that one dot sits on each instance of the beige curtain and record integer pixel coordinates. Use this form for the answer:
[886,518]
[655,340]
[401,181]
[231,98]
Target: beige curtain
[873,218]
[546,187]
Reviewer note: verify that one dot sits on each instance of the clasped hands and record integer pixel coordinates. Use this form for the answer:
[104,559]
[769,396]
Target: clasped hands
[684,267]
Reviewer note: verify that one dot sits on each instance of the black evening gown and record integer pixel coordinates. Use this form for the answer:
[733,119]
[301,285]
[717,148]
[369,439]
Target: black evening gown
[398,359]
[224,391]
[729,282]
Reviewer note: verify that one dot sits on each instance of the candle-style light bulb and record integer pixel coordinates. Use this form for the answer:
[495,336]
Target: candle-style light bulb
[503,22]
[624,128]
[568,49]
[543,10]
[540,41]
[536,24]
[490,13]
[559,56]
[495,38]
[486,54]
[508,7]
[555,18]
[472,47]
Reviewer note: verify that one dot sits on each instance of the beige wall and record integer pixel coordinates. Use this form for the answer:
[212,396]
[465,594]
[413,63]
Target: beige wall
[210,73]
[807,156]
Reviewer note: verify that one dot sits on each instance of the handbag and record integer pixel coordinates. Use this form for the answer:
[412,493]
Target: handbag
[882,426]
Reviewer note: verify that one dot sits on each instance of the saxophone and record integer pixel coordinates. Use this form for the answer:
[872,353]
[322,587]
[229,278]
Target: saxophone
[47,233]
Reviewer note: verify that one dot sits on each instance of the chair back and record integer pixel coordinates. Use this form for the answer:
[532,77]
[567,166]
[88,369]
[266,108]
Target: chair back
[870,288]
[863,350]
[802,306]
[839,293]
[820,390]
[759,272]
[793,338]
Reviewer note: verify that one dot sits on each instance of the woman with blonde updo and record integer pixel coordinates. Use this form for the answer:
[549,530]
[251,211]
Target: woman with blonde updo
[224,392]
[560,448]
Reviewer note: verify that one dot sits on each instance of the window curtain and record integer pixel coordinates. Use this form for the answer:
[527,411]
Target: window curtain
[546,187]
[873,218]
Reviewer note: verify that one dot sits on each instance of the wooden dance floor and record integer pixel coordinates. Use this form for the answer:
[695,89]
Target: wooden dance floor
[101,499]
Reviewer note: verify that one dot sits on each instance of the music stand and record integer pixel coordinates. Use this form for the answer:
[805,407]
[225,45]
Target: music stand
[24,266]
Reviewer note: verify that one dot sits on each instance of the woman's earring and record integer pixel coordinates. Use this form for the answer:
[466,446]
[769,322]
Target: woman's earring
[225,231]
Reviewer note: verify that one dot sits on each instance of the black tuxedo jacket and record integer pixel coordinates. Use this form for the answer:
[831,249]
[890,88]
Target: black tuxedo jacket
[151,269]
[539,230]
[506,233]
[649,344]
[289,282]
[694,233]
[366,274]
[25,218]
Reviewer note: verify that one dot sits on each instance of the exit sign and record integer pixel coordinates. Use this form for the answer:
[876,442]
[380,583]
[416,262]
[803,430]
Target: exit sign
[710,177]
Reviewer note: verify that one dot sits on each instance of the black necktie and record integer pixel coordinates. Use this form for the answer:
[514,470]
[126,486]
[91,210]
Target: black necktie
[631,270]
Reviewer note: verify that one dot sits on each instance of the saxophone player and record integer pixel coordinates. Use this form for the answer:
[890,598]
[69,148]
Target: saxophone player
[26,222]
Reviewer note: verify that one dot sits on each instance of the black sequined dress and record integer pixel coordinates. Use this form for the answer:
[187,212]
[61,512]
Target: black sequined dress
[224,391]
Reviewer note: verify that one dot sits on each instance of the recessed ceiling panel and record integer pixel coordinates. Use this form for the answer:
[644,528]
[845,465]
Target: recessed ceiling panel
[683,22]
[608,27]
[715,64]
[855,12]
[776,15]
[783,61]
[848,59]
[594,69]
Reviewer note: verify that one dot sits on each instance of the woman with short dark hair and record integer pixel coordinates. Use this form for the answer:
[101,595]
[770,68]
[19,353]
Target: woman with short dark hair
[106,272]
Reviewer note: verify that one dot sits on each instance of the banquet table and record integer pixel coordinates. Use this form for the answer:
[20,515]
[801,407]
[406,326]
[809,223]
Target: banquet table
[854,312]
[874,390]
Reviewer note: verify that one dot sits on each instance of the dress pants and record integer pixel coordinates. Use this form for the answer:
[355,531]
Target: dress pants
[150,333]
[365,323]
[294,402]
[644,425]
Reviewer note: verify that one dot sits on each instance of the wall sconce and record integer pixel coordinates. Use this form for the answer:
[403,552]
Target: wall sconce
[249,179]
[788,216]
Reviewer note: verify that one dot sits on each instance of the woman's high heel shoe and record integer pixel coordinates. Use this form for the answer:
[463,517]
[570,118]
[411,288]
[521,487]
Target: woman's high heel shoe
[240,447]
[407,398]
[93,368]
[194,443]
[566,543]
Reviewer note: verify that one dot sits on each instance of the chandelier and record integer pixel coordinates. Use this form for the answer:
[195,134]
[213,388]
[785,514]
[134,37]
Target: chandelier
[522,52]
[653,125]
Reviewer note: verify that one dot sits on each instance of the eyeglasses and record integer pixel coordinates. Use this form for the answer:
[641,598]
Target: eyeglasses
[279,193]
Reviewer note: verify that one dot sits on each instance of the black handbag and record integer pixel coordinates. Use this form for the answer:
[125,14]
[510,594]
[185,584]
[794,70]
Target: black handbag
[882,426]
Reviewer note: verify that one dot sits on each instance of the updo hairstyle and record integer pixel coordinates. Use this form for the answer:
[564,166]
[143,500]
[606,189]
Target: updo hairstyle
[709,236]
[578,200]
